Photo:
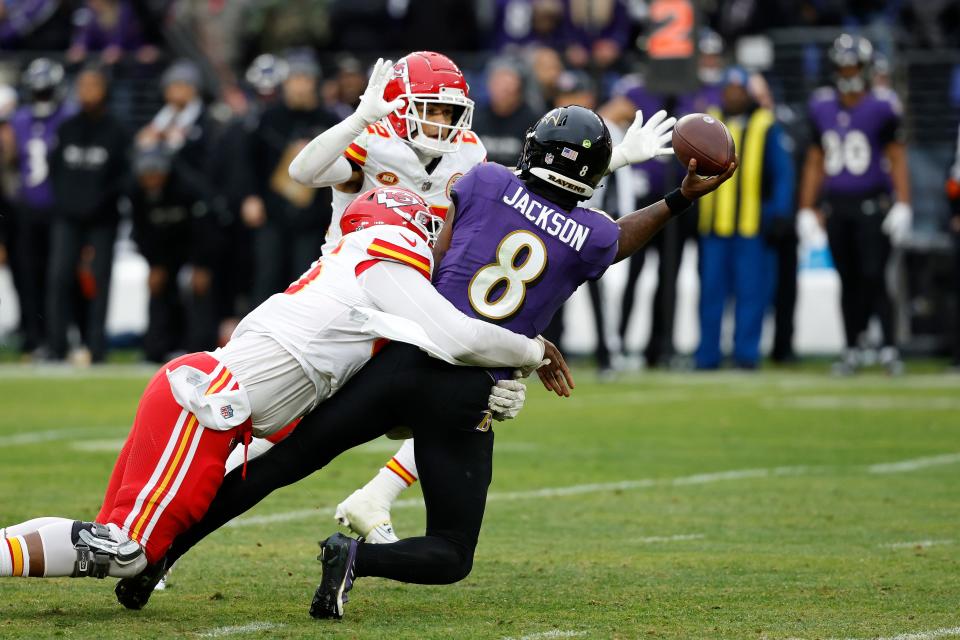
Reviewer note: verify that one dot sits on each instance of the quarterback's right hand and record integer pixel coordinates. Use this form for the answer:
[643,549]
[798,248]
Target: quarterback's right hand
[372,104]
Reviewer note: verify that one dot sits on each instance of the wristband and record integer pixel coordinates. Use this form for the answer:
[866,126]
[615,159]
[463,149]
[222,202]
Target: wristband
[677,202]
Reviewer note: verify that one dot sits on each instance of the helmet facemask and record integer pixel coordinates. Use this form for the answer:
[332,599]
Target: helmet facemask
[426,223]
[448,137]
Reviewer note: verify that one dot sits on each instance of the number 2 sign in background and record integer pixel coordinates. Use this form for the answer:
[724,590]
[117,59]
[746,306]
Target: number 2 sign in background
[672,46]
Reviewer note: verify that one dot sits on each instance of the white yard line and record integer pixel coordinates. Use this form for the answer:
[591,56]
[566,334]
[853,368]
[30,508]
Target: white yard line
[914,464]
[253,627]
[113,445]
[918,635]
[544,635]
[36,437]
[917,543]
[676,538]
[863,403]
[549,492]
[625,485]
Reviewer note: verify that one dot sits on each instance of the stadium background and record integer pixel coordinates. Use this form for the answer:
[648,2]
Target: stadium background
[785,40]
[786,505]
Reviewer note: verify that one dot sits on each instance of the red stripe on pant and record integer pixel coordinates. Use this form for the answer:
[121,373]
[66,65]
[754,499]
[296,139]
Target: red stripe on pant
[154,425]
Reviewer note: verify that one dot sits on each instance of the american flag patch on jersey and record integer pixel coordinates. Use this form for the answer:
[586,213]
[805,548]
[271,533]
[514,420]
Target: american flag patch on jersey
[569,154]
[226,411]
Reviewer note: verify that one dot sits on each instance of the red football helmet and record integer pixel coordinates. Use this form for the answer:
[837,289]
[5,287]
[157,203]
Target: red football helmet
[420,78]
[392,205]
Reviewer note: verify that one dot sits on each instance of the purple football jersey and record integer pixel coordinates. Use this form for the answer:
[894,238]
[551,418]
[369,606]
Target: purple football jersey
[853,140]
[515,257]
[35,137]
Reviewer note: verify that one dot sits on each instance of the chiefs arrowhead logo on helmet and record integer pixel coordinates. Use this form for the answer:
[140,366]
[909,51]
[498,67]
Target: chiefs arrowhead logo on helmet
[392,206]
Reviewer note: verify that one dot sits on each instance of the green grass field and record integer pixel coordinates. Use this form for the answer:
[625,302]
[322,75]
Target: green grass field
[660,506]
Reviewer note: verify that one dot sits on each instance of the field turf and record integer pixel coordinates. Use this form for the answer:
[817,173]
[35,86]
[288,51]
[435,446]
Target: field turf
[776,505]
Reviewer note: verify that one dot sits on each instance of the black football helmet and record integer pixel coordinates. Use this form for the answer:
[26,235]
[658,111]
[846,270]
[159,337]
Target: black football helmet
[43,79]
[852,51]
[568,148]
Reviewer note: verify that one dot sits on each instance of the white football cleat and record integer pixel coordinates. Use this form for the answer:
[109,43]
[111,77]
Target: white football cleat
[367,518]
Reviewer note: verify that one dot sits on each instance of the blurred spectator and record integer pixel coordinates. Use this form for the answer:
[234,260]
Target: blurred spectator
[88,167]
[112,29]
[953,194]
[931,23]
[447,25]
[501,124]
[649,181]
[735,260]
[162,207]
[280,25]
[528,22]
[342,92]
[233,179]
[184,128]
[34,25]
[710,69]
[856,159]
[211,32]
[288,220]
[8,105]
[34,128]
[547,68]
[596,32]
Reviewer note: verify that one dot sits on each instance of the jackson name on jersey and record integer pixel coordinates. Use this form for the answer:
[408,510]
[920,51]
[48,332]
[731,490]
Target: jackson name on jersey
[387,160]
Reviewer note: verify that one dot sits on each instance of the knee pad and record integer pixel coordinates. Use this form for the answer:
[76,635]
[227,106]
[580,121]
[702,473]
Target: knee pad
[104,550]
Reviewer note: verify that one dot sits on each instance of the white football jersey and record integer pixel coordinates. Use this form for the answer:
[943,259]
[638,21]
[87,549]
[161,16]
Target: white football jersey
[314,320]
[387,160]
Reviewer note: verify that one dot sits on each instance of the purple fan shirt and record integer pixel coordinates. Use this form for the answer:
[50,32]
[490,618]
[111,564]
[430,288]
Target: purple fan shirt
[35,137]
[516,257]
[853,140]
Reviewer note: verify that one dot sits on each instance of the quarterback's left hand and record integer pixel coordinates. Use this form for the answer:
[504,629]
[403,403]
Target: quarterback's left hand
[644,141]
[898,223]
[506,399]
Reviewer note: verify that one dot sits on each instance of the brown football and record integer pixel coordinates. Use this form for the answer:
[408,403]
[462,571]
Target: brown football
[705,138]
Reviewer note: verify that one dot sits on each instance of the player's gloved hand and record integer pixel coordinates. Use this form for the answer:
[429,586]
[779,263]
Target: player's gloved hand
[898,223]
[644,141]
[372,104]
[809,230]
[506,399]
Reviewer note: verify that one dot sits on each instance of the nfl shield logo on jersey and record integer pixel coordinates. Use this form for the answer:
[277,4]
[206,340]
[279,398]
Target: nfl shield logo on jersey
[226,411]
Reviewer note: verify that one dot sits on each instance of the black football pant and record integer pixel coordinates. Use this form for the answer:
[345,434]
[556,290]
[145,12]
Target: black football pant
[30,262]
[669,245]
[67,240]
[401,386]
[860,253]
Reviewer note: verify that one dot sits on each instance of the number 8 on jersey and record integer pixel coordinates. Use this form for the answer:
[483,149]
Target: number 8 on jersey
[521,258]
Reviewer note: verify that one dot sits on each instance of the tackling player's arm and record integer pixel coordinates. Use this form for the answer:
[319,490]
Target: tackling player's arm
[321,163]
[637,228]
[403,291]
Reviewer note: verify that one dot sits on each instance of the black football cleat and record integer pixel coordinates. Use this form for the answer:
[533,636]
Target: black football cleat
[338,554]
[135,592]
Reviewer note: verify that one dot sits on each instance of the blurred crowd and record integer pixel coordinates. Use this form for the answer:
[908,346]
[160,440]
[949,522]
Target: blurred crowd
[201,180]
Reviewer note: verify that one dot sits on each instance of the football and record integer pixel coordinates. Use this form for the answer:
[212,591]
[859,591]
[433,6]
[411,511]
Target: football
[705,138]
